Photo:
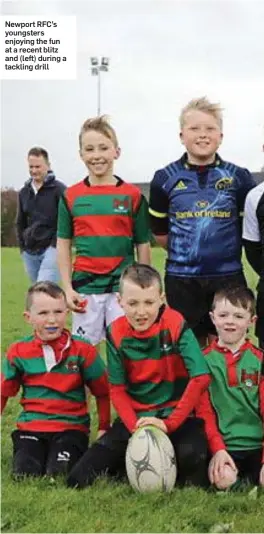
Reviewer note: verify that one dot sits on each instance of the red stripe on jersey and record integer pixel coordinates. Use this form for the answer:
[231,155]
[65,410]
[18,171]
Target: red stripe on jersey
[57,381]
[103,225]
[168,368]
[231,370]
[100,265]
[140,406]
[81,189]
[50,426]
[54,406]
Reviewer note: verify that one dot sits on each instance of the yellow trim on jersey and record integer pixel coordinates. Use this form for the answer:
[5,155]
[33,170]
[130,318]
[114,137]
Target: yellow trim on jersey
[158,214]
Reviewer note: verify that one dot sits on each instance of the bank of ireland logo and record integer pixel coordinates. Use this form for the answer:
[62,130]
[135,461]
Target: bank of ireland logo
[224,183]
[121,205]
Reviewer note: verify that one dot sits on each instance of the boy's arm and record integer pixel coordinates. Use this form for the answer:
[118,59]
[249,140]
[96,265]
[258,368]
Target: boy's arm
[21,223]
[95,377]
[64,252]
[158,210]
[10,378]
[119,396]
[188,348]
[251,232]
[206,412]
[141,229]
[261,403]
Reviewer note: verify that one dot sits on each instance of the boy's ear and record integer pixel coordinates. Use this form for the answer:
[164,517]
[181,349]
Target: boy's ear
[26,316]
[253,319]
[119,299]
[180,136]
[163,297]
[118,152]
[211,314]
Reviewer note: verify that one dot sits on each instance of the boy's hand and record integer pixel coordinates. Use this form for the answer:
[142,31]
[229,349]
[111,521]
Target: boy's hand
[261,476]
[155,421]
[75,301]
[217,463]
[100,433]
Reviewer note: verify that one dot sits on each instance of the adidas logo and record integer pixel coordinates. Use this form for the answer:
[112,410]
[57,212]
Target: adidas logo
[180,185]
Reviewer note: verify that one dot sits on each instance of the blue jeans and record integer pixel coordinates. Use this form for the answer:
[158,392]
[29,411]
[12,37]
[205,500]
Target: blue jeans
[42,266]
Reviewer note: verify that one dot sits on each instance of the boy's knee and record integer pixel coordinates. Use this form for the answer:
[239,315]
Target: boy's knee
[97,461]
[227,480]
[26,465]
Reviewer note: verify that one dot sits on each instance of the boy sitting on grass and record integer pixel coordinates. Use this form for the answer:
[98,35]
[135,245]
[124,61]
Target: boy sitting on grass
[233,406]
[157,373]
[52,367]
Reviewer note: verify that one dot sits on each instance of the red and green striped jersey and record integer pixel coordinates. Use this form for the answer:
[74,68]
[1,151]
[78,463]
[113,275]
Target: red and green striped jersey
[104,222]
[53,378]
[233,407]
[149,371]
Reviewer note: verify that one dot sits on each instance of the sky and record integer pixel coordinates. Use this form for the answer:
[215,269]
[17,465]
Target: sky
[162,54]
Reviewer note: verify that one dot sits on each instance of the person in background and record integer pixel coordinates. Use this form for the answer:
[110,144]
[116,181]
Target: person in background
[36,221]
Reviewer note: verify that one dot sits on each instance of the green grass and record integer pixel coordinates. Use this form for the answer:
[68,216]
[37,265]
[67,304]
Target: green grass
[37,506]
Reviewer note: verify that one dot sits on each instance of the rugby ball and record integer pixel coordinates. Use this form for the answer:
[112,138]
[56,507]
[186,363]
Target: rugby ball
[150,460]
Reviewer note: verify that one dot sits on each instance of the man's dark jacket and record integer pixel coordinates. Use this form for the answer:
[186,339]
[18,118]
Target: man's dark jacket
[37,214]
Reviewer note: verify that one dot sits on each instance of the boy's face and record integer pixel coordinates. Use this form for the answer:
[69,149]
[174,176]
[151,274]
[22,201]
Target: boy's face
[141,306]
[38,168]
[47,316]
[201,135]
[231,322]
[98,153]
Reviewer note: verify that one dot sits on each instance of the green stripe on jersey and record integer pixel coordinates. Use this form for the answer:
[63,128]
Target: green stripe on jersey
[111,204]
[104,246]
[44,393]
[151,393]
[26,417]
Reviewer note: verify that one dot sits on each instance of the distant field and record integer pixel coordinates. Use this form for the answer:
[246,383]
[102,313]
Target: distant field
[38,506]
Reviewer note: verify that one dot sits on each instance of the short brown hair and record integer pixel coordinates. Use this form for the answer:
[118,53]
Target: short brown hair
[49,288]
[142,275]
[203,104]
[38,151]
[101,125]
[238,296]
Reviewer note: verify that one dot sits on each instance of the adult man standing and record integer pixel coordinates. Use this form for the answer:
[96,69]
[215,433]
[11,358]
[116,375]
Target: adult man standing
[253,236]
[37,218]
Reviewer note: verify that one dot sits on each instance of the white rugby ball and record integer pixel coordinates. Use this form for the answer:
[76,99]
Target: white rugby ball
[150,460]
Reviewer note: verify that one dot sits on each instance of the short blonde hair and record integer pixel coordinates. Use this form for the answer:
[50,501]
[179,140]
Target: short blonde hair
[101,125]
[203,104]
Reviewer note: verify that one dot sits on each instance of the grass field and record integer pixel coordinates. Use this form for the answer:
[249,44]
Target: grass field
[38,506]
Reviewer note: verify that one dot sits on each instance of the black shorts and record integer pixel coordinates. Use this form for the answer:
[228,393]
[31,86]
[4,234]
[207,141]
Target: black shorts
[248,463]
[107,455]
[51,453]
[260,319]
[193,298]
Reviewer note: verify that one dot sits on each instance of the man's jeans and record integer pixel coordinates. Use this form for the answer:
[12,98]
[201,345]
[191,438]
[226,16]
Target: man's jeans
[42,266]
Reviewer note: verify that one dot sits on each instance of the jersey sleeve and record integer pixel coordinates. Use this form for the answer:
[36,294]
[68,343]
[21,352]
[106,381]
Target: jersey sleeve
[205,411]
[95,376]
[119,396]
[141,230]
[10,377]
[65,224]
[158,205]
[245,183]
[188,348]
[250,222]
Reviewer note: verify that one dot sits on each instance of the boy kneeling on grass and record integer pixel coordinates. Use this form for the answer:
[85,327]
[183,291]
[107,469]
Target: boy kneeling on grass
[233,406]
[52,367]
[157,373]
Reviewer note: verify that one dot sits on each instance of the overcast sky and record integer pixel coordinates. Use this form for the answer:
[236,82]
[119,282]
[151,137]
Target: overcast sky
[162,54]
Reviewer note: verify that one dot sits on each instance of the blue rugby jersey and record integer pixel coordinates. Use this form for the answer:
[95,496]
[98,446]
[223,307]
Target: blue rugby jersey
[201,206]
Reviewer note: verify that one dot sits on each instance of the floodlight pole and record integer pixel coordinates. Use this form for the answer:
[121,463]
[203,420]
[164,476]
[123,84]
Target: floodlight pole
[99,65]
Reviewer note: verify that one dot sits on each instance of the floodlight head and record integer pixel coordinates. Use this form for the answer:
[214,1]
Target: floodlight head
[94,71]
[94,61]
[105,61]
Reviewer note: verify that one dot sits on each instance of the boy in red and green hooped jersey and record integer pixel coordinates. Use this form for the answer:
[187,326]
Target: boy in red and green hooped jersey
[157,373]
[105,218]
[233,406]
[52,368]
